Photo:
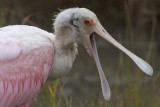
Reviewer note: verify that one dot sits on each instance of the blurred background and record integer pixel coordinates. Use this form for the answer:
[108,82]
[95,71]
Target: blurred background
[134,23]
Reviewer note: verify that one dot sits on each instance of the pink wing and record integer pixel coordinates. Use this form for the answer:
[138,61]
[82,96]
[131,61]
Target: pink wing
[22,75]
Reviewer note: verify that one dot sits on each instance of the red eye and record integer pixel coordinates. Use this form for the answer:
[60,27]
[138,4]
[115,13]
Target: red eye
[87,21]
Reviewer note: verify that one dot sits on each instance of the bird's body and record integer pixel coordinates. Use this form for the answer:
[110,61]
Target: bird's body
[28,54]
[26,60]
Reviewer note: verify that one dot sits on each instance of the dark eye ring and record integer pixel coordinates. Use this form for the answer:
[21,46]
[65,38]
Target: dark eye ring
[87,22]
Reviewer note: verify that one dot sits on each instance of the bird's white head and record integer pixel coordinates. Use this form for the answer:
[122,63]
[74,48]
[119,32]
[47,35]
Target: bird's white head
[82,24]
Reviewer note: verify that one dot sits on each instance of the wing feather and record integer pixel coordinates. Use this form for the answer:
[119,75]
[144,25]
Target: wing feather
[22,38]
[9,51]
[26,55]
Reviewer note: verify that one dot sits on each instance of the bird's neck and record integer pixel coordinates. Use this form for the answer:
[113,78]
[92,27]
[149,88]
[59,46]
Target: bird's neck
[65,53]
[64,40]
[64,36]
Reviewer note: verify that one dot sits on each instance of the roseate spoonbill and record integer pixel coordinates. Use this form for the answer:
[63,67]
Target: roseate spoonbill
[28,54]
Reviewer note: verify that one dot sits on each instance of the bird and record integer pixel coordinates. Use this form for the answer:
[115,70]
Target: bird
[29,55]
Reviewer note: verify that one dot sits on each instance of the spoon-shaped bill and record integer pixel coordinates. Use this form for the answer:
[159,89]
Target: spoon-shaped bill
[104,83]
[144,66]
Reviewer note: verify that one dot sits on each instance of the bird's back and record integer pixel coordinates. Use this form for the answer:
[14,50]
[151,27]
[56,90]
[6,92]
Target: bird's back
[26,55]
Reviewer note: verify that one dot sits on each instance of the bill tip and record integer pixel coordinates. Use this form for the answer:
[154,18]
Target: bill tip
[107,96]
[150,72]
